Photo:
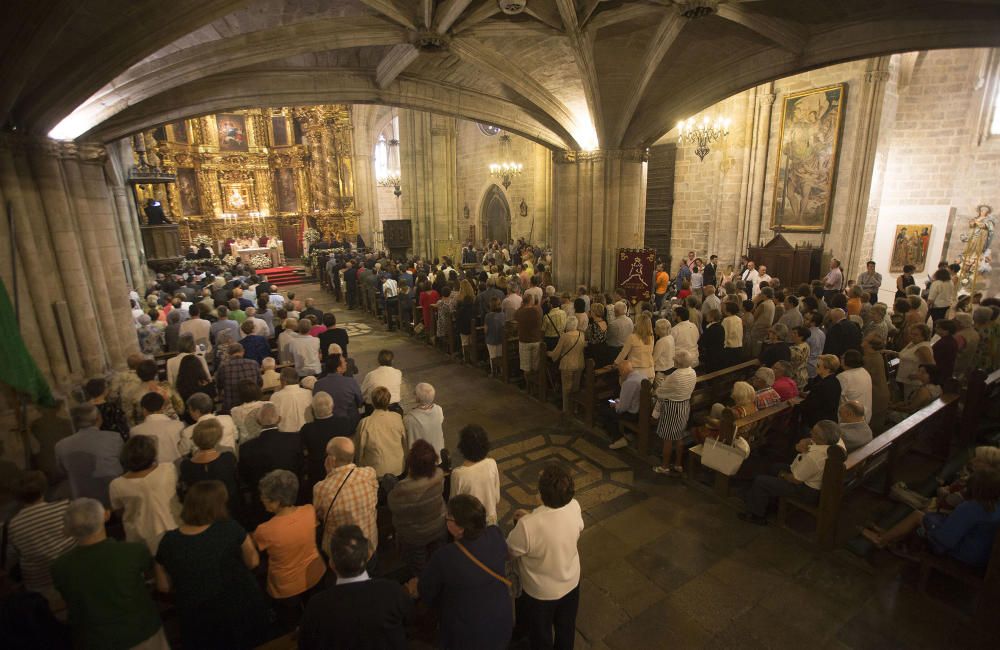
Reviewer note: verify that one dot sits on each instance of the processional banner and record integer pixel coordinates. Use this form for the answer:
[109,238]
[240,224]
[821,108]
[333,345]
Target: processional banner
[635,272]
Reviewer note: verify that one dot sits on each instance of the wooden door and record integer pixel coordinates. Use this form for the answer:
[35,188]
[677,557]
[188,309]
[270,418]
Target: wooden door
[291,241]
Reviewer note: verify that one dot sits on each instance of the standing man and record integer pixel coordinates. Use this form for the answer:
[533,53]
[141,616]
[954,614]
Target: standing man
[870,282]
[529,337]
[833,283]
[710,271]
[662,282]
[750,278]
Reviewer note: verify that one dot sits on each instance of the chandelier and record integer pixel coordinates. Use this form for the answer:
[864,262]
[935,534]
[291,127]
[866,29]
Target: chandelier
[506,168]
[702,133]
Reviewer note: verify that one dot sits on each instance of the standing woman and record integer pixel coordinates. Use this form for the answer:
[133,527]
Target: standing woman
[597,335]
[428,296]
[146,493]
[799,352]
[711,345]
[207,564]
[918,351]
[663,349]
[638,348]
[465,315]
[568,354]
[464,581]
[544,543]
[732,326]
[940,295]
[192,378]
[496,321]
[904,280]
[674,401]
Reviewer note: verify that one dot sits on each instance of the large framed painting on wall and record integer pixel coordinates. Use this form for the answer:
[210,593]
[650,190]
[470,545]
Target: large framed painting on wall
[808,147]
[909,246]
[232,132]
[284,189]
[187,188]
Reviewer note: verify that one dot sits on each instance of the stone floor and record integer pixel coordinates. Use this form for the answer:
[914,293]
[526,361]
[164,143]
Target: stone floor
[666,564]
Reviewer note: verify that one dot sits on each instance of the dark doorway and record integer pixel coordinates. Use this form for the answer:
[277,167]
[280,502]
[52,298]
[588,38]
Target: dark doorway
[291,241]
[496,215]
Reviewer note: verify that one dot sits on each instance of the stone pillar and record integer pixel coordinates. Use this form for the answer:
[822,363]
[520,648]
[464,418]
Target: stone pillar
[869,103]
[755,165]
[365,193]
[599,203]
[428,160]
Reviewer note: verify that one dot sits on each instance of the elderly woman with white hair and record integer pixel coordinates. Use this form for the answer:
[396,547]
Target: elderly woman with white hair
[663,349]
[744,405]
[673,401]
[425,421]
[294,566]
[568,355]
[103,583]
[269,374]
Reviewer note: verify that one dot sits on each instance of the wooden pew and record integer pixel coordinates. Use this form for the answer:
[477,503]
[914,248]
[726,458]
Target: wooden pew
[981,391]
[882,454]
[596,384]
[509,356]
[757,427]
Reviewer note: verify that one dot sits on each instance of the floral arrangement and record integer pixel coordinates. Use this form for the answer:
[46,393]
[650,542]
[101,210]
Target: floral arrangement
[187,265]
[229,260]
[260,261]
[312,235]
[203,239]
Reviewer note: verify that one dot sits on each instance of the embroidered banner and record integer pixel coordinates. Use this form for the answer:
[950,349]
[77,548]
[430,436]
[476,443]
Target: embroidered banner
[635,272]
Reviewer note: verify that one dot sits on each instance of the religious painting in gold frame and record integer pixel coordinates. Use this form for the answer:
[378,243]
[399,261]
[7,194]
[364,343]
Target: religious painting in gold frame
[236,197]
[909,246]
[232,131]
[284,189]
[187,189]
[179,132]
[279,131]
[808,150]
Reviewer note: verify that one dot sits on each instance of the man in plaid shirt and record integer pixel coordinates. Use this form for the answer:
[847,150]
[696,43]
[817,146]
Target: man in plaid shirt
[358,494]
[232,371]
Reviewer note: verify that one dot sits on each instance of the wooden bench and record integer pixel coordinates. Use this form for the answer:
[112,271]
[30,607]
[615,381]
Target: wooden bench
[509,353]
[596,384]
[842,475]
[981,391]
[755,429]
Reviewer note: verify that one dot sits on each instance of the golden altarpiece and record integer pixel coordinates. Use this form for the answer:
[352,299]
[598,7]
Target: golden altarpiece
[262,172]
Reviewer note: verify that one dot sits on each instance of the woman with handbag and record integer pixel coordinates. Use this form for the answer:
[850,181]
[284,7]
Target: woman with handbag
[568,355]
[464,581]
[673,401]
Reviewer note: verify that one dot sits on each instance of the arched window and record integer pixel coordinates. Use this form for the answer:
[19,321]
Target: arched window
[381,158]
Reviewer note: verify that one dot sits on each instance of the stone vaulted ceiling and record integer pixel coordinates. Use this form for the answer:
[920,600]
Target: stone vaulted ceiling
[574,74]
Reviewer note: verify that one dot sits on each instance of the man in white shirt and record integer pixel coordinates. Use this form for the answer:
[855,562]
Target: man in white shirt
[750,279]
[198,328]
[854,430]
[512,302]
[260,327]
[289,330]
[199,407]
[686,335]
[293,402]
[762,275]
[544,542]
[833,282]
[620,327]
[385,375]
[855,382]
[303,351]
[803,479]
[710,302]
[166,431]
[426,420]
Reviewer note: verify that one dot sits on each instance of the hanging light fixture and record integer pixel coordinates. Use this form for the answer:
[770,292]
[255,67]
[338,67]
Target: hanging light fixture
[701,133]
[387,161]
[506,167]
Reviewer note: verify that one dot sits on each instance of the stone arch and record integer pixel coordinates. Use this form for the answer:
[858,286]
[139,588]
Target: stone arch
[494,214]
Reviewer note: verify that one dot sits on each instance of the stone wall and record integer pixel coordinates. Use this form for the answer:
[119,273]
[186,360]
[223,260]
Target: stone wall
[475,153]
[939,161]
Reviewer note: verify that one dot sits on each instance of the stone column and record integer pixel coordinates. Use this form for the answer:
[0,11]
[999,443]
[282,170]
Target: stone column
[599,207]
[428,159]
[869,104]
[365,197]
[761,101]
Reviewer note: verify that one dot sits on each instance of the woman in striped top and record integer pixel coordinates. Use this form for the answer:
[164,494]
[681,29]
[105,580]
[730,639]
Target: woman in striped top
[674,402]
[35,534]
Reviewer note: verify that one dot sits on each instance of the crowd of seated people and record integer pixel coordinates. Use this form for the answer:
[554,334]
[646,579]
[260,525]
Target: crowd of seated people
[263,440]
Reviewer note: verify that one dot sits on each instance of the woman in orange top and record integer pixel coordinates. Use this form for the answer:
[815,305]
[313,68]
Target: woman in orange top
[295,568]
[662,282]
[855,301]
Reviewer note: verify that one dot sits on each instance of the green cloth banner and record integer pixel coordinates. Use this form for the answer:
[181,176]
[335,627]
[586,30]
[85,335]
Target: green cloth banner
[17,369]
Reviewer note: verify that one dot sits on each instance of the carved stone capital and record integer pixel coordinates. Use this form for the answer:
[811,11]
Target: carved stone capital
[568,157]
[876,76]
[766,99]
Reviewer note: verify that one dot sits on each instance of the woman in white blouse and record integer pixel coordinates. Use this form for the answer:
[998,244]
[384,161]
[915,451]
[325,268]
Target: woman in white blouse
[918,351]
[940,295]
[478,474]
[146,494]
[663,349]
